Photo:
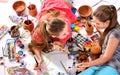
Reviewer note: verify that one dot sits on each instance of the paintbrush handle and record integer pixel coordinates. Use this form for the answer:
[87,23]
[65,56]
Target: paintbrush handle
[36,60]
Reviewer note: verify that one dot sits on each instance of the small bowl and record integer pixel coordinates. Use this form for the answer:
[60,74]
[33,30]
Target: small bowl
[19,7]
[85,11]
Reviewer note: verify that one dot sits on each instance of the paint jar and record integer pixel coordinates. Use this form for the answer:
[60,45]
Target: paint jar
[28,25]
[32,10]
[14,32]
[89,28]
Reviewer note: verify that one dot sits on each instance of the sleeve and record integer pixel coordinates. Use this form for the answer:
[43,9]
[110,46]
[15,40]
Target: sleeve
[36,36]
[115,34]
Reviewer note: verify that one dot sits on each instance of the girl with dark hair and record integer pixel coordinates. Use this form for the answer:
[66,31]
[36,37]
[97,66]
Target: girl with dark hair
[105,19]
[53,26]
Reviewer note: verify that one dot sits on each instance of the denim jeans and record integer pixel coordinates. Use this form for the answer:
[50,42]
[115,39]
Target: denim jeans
[99,70]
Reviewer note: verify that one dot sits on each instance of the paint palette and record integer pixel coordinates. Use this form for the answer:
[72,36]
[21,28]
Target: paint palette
[81,40]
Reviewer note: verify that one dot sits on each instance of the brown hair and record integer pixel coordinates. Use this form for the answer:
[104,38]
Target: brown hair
[48,27]
[104,13]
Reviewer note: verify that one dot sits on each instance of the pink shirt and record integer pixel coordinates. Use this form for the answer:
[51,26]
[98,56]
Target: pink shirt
[65,10]
[59,5]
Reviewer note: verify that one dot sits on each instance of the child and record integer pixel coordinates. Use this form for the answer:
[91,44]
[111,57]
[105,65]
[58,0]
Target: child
[53,27]
[105,18]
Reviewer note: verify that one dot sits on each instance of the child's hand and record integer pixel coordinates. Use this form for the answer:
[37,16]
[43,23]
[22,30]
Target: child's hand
[38,66]
[81,66]
[60,48]
[59,44]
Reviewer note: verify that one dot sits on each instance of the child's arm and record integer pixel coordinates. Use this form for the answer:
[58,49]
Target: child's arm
[39,58]
[59,44]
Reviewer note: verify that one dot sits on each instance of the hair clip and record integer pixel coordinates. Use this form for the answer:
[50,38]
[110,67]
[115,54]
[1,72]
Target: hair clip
[111,7]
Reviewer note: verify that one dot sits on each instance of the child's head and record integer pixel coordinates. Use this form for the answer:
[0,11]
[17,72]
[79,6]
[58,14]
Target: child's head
[55,24]
[105,17]
[52,27]
[55,27]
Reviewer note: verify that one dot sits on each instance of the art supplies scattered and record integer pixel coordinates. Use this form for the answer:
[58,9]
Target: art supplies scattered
[85,11]
[17,20]
[14,31]
[83,56]
[32,10]
[10,49]
[17,70]
[74,10]
[72,47]
[20,44]
[89,28]
[19,55]
[81,41]
[19,7]
[28,25]
[3,30]
[20,52]
[95,37]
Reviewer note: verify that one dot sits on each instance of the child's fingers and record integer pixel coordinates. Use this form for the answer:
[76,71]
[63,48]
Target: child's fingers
[84,65]
[81,66]
[57,47]
[80,69]
[37,67]
[67,51]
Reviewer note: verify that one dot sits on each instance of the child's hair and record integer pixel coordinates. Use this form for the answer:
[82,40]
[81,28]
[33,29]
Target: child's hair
[104,13]
[49,27]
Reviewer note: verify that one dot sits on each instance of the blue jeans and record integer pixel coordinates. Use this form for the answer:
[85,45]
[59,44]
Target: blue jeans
[99,70]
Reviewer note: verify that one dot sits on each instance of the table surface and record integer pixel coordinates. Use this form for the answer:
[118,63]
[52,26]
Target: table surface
[52,59]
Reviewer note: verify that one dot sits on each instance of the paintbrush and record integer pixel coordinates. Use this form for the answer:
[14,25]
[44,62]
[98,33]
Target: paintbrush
[36,61]
[64,67]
